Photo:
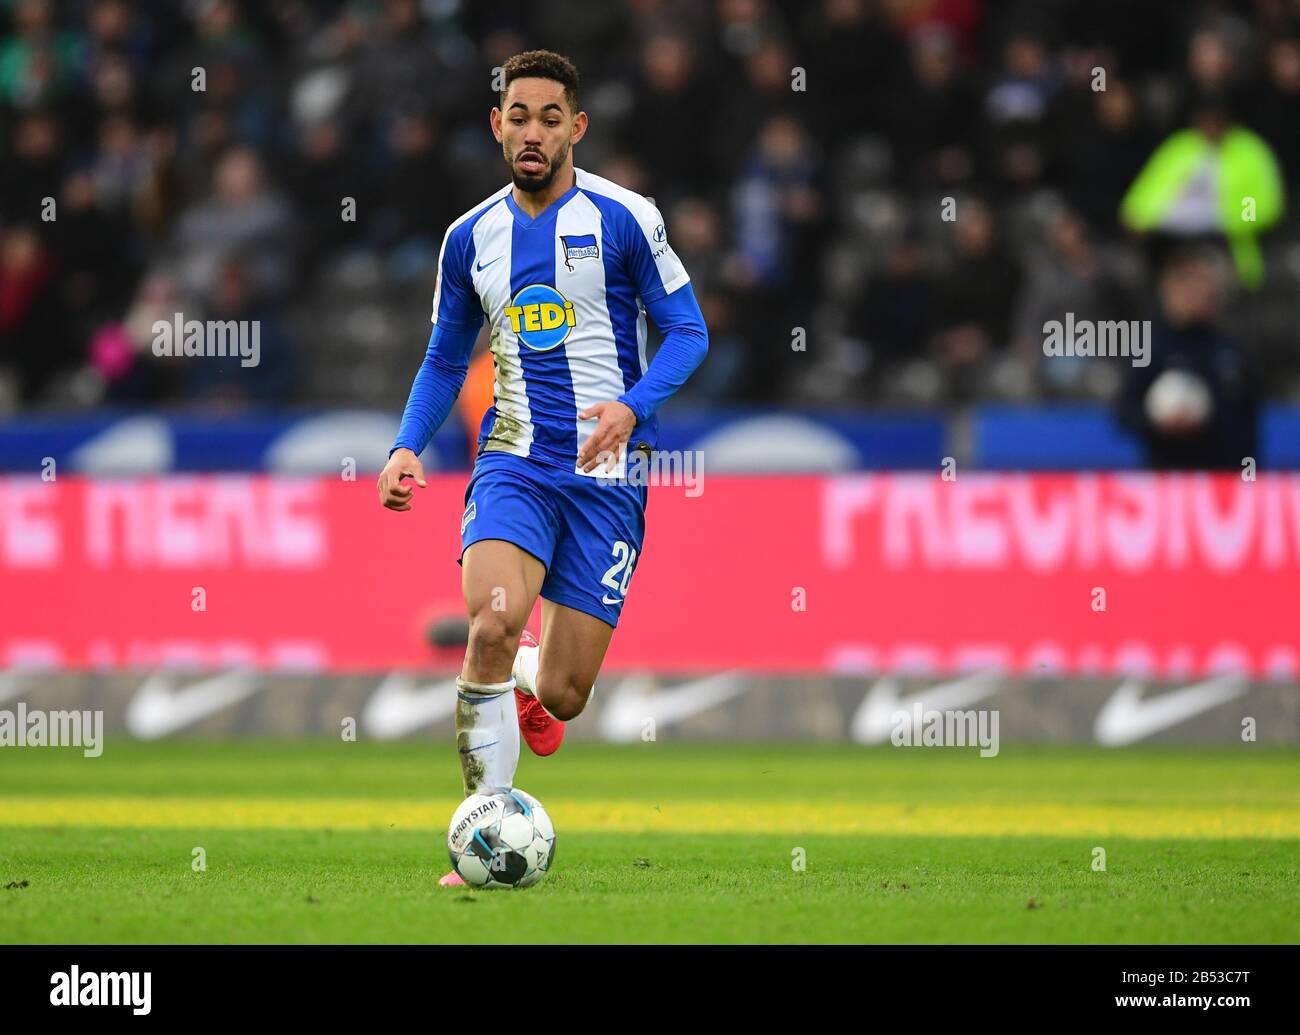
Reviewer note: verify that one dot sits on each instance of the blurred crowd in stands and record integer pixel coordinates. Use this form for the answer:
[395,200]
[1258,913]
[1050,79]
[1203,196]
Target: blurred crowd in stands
[879,201]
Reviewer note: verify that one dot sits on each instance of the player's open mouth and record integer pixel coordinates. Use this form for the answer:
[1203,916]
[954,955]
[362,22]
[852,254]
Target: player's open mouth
[532,163]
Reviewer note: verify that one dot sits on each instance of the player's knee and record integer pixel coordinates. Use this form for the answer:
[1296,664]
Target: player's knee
[494,632]
[561,697]
[569,707]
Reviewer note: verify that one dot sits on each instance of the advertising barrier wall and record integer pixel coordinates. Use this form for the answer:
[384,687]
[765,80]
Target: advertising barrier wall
[975,712]
[1167,576]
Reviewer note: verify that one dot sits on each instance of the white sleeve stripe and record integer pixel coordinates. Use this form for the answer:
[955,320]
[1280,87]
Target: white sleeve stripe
[676,282]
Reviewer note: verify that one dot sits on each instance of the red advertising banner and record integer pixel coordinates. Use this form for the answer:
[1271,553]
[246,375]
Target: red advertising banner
[1164,575]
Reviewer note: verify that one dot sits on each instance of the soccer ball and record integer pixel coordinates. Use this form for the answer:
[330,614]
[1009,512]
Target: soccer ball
[1178,401]
[501,837]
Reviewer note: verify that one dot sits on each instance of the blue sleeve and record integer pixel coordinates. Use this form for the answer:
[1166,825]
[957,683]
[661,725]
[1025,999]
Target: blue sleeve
[685,344]
[455,302]
[437,383]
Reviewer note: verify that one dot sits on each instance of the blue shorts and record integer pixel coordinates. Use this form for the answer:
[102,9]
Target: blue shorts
[587,532]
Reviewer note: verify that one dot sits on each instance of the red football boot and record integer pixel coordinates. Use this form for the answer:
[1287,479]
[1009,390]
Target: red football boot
[540,731]
[451,880]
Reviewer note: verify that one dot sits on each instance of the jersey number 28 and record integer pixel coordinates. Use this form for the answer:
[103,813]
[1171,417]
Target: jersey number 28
[624,559]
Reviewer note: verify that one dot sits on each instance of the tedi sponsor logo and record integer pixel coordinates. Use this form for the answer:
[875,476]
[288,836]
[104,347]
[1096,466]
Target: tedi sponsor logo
[25,727]
[93,988]
[209,338]
[1130,338]
[921,727]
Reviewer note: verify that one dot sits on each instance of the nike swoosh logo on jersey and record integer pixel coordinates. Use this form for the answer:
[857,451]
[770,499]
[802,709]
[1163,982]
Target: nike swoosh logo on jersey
[484,265]
[607,600]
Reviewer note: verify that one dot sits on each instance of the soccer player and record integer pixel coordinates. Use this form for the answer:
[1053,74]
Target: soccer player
[565,265]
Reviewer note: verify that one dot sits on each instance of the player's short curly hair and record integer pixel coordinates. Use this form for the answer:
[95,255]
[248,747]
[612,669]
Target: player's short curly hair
[543,64]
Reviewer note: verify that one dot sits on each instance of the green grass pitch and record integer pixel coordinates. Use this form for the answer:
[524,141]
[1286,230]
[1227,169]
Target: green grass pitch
[328,841]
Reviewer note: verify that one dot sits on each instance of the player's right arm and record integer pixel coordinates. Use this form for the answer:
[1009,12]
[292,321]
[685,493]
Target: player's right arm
[457,315]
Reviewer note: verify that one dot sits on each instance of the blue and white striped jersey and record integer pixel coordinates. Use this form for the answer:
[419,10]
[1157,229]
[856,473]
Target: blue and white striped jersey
[565,295]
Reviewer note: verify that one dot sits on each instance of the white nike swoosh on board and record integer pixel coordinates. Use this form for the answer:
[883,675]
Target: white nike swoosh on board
[873,722]
[158,709]
[1126,717]
[625,711]
[398,707]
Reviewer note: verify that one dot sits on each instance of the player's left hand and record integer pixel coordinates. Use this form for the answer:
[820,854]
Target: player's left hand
[615,423]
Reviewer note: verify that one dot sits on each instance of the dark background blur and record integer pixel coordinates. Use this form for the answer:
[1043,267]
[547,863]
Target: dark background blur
[817,209]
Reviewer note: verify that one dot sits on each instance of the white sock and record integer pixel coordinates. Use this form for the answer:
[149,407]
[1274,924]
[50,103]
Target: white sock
[525,669]
[525,673]
[487,734]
